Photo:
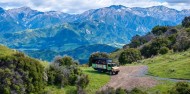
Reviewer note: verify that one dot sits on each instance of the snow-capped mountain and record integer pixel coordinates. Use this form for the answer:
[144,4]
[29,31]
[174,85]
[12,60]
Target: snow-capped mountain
[25,28]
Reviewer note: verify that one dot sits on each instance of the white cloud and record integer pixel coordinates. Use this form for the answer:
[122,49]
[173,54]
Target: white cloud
[79,6]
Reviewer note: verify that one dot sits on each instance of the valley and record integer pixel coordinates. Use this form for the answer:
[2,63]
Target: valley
[54,31]
[59,53]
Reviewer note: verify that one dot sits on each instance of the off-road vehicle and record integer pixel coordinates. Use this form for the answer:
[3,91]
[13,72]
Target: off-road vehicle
[105,65]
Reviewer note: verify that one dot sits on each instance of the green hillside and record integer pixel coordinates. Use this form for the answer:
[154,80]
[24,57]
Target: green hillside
[171,65]
[5,51]
[164,47]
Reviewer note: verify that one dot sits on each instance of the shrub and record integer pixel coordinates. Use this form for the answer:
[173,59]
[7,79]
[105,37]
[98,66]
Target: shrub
[97,55]
[163,50]
[21,75]
[137,41]
[111,90]
[137,91]
[180,88]
[186,22]
[129,55]
[159,30]
[182,42]
[120,91]
[154,47]
[188,29]
[82,83]
[63,71]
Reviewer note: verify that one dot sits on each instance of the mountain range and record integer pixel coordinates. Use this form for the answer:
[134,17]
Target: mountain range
[27,29]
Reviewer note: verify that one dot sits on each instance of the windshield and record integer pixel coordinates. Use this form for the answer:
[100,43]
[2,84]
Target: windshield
[112,65]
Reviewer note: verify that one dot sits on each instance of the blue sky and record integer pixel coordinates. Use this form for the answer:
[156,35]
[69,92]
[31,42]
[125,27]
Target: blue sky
[79,6]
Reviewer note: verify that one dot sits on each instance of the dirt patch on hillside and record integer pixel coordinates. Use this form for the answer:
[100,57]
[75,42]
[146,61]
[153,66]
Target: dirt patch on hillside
[130,77]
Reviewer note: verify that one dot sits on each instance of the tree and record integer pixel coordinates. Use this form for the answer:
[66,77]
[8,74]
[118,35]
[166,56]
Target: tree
[129,55]
[21,74]
[81,83]
[163,50]
[182,42]
[159,30]
[64,61]
[63,71]
[186,22]
[154,47]
[97,55]
[137,41]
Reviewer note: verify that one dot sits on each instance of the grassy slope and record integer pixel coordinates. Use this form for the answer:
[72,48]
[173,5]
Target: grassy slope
[97,80]
[4,51]
[171,65]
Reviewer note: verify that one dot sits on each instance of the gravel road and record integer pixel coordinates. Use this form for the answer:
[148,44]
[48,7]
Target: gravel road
[130,77]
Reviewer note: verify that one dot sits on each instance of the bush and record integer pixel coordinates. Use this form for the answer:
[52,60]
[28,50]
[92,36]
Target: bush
[120,91]
[82,83]
[137,91]
[63,71]
[163,50]
[159,30]
[129,55]
[137,41]
[182,42]
[186,22]
[64,61]
[111,90]
[20,75]
[97,55]
[180,88]
[154,47]
[188,29]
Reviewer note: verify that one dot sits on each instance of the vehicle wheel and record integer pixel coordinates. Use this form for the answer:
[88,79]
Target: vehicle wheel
[99,70]
[110,72]
[116,72]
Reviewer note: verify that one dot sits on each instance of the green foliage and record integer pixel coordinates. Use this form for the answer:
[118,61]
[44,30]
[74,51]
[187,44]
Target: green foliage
[137,41]
[21,75]
[82,83]
[129,55]
[159,30]
[182,42]
[163,50]
[63,71]
[137,91]
[120,91]
[180,88]
[97,55]
[111,90]
[154,48]
[65,61]
[186,22]
[188,29]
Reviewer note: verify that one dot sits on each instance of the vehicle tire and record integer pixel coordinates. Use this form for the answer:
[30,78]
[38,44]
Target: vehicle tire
[99,70]
[116,72]
[110,72]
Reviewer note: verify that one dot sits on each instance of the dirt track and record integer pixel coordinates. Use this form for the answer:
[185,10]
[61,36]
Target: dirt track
[130,77]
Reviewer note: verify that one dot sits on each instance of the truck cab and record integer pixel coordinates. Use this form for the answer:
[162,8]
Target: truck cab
[105,65]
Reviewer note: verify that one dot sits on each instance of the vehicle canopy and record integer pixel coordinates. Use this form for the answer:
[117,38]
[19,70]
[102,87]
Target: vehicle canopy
[102,61]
